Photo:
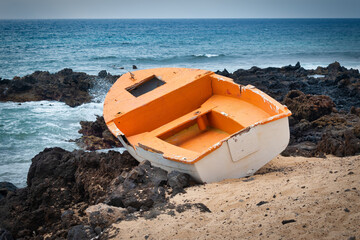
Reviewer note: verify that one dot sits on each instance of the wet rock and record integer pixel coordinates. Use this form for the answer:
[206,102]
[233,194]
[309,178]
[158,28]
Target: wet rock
[134,67]
[102,74]
[107,76]
[81,232]
[103,215]
[96,135]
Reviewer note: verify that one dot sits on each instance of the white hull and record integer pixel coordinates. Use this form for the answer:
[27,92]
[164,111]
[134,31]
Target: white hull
[240,155]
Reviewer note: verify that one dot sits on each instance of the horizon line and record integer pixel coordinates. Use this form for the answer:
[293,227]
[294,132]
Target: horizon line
[195,18]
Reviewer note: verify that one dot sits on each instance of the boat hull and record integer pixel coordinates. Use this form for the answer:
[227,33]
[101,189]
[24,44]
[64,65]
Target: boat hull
[240,155]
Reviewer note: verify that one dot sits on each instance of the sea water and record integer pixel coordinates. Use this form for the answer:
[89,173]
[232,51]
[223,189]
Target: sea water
[115,45]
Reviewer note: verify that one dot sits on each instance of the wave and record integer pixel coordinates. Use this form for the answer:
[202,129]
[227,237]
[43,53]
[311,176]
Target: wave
[102,58]
[208,55]
[179,59]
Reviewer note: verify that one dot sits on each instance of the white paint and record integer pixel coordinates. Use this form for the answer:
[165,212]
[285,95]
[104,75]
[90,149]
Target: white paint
[264,97]
[243,144]
[270,140]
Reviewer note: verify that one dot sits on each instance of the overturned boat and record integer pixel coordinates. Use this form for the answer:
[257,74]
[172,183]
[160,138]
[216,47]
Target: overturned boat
[196,121]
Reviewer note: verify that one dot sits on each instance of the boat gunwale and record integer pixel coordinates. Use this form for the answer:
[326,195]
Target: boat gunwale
[219,144]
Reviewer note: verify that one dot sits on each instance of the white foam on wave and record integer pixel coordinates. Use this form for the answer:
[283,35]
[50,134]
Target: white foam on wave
[119,149]
[208,55]
[27,128]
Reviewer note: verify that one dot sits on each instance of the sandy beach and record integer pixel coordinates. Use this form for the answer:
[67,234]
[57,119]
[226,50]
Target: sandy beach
[289,198]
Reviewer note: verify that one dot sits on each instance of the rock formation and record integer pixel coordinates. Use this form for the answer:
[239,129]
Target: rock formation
[77,194]
[96,135]
[65,86]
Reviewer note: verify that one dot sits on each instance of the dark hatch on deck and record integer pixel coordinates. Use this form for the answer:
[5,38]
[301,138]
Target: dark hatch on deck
[145,86]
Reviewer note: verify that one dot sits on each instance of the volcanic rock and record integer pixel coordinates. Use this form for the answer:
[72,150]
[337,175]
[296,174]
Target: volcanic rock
[81,232]
[178,181]
[57,180]
[96,135]
[107,76]
[340,84]
[308,107]
[6,188]
[316,126]
[62,186]
[103,215]
[5,234]
[141,188]
[64,86]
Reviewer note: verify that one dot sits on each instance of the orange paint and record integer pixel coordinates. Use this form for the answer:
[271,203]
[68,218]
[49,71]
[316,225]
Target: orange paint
[187,117]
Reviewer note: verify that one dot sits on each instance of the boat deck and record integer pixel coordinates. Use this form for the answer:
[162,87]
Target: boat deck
[186,138]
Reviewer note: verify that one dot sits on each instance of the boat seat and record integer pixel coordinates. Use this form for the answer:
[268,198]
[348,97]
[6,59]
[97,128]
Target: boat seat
[151,141]
[188,144]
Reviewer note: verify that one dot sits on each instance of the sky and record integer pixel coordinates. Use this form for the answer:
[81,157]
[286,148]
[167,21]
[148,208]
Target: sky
[55,9]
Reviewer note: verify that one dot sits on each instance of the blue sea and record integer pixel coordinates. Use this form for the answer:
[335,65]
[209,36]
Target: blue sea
[115,45]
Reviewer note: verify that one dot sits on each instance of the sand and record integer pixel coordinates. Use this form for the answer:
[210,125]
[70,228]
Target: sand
[320,197]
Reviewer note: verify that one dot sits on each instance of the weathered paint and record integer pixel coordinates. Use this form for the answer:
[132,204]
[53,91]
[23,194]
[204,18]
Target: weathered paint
[193,114]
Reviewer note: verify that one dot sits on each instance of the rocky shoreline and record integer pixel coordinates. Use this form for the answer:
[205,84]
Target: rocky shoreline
[66,86]
[96,135]
[77,195]
[325,103]
[80,193]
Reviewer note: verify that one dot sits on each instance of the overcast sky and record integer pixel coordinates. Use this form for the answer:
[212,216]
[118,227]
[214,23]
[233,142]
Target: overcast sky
[38,9]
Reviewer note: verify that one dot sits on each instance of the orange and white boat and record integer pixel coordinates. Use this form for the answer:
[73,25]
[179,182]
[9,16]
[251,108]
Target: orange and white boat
[196,121]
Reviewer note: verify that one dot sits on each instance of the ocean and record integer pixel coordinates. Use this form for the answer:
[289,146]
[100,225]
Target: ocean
[116,45]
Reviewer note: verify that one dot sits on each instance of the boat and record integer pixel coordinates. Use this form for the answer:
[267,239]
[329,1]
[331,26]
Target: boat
[196,122]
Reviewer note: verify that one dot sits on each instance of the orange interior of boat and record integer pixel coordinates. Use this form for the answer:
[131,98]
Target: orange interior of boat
[184,113]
